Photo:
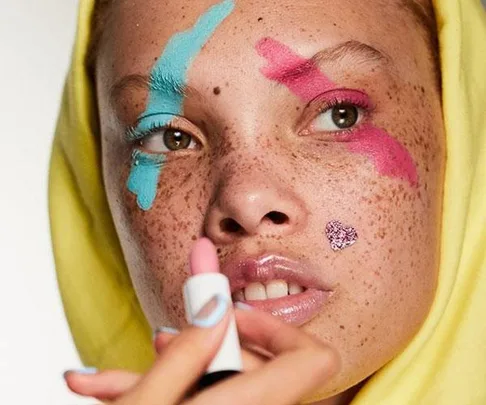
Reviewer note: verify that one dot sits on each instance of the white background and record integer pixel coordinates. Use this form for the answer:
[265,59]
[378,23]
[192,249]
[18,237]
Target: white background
[35,345]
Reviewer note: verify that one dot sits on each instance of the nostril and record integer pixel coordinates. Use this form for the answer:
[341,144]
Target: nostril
[278,218]
[229,225]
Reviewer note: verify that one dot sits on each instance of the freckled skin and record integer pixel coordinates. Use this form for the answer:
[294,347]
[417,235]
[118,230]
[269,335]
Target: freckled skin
[253,160]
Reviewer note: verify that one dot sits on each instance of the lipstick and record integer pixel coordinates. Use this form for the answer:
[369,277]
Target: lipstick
[205,282]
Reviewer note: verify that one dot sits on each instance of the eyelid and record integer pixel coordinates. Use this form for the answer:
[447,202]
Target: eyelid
[343,96]
[147,124]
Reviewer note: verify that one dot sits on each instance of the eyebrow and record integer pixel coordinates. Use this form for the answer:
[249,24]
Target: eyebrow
[144,82]
[361,52]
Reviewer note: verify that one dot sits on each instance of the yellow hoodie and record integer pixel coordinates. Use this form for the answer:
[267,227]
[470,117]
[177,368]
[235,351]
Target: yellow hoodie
[445,364]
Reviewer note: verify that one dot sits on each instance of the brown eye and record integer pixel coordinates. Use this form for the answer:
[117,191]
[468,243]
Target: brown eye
[338,118]
[344,115]
[168,140]
[176,140]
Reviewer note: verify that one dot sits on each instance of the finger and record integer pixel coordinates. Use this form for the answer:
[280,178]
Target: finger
[105,385]
[163,336]
[280,381]
[251,357]
[284,380]
[184,359]
[252,360]
[269,333]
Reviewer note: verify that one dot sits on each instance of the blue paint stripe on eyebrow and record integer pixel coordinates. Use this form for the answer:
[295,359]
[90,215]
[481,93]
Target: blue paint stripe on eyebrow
[169,75]
[167,82]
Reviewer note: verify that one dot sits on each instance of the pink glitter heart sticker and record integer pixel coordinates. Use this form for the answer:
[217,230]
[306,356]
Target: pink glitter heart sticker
[340,236]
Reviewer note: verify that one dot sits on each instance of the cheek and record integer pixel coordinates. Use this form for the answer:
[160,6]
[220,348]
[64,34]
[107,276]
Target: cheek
[396,217]
[156,239]
[389,275]
[179,198]
[387,278]
[403,256]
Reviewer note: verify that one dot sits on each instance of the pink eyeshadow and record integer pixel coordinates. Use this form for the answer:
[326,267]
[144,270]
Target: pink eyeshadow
[389,156]
[303,78]
[298,74]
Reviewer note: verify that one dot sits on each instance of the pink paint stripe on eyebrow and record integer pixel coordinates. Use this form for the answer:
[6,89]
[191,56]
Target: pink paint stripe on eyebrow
[304,79]
[301,76]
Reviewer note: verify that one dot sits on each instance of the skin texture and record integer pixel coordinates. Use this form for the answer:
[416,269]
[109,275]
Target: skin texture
[259,151]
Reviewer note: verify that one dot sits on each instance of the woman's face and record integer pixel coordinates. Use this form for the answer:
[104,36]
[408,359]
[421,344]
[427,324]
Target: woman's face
[306,142]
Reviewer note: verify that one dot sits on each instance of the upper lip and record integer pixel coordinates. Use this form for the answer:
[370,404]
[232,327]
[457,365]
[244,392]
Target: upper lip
[262,269]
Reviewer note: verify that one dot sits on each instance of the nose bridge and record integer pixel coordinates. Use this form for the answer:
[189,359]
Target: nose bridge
[241,152]
[251,197]
[246,179]
[247,169]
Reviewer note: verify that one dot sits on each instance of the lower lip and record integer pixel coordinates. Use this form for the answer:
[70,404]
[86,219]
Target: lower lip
[296,309]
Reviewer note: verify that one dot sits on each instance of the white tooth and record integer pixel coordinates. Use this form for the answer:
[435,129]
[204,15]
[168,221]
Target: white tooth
[277,289]
[295,289]
[238,296]
[255,291]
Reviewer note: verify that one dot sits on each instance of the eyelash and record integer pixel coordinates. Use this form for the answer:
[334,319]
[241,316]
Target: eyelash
[362,102]
[137,136]
[334,102]
[328,101]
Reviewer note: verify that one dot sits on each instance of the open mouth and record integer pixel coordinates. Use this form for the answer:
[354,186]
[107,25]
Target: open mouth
[270,290]
[280,286]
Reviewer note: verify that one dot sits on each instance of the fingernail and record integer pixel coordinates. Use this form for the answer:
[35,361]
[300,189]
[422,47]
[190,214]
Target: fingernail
[83,371]
[165,329]
[212,312]
[243,306]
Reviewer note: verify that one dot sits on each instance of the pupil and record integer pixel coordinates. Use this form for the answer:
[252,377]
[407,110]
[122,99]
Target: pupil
[344,116]
[176,140]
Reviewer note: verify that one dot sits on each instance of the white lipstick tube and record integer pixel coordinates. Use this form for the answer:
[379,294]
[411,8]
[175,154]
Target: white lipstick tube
[198,290]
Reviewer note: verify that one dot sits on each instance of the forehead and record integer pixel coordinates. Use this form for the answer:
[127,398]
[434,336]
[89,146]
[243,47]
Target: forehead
[139,29]
[162,17]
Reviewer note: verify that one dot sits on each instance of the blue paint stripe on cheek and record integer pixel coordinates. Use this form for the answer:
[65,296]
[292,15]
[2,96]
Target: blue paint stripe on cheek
[167,81]
[144,177]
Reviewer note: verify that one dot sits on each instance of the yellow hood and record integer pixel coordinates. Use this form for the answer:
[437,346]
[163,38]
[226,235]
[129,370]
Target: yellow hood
[446,362]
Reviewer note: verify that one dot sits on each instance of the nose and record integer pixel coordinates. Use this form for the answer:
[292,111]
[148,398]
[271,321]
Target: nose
[250,205]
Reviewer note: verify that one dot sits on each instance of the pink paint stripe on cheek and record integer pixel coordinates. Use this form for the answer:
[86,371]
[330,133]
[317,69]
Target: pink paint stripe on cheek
[298,74]
[389,156]
[306,81]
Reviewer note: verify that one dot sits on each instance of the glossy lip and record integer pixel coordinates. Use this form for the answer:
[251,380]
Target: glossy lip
[296,309]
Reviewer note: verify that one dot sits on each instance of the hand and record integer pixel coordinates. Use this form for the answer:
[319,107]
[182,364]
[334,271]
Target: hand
[271,376]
